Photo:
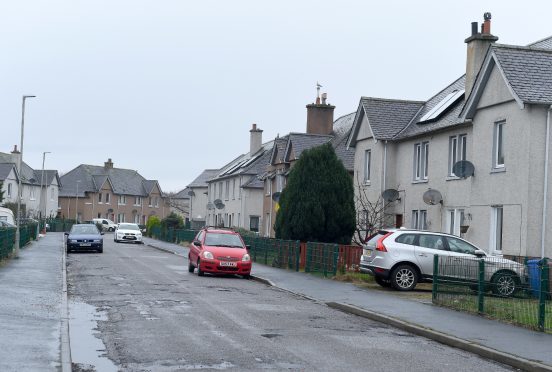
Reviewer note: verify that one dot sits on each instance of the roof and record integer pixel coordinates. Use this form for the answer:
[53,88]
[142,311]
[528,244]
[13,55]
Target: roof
[30,176]
[545,43]
[201,180]
[247,164]
[182,194]
[341,129]
[90,178]
[278,150]
[300,142]
[5,170]
[27,173]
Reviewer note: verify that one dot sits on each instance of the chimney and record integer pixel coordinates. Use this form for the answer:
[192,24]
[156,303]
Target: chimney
[320,116]
[16,155]
[478,44]
[256,139]
[108,164]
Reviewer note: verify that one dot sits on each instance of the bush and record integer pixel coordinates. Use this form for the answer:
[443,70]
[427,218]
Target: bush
[172,221]
[153,222]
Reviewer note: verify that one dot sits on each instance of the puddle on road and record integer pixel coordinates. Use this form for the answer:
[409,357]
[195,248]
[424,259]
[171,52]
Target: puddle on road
[87,349]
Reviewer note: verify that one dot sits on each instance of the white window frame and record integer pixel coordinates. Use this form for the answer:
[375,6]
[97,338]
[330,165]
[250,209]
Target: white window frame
[367,165]
[107,198]
[457,151]
[498,145]
[497,227]
[227,191]
[9,190]
[455,218]
[120,217]
[421,161]
[122,200]
[419,219]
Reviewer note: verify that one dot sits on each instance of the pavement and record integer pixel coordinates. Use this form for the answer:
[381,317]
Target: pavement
[504,343]
[34,330]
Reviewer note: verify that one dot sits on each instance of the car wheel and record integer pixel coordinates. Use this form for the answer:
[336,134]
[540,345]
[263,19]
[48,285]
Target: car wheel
[199,272]
[100,250]
[191,267]
[110,229]
[115,240]
[404,278]
[505,284]
[382,282]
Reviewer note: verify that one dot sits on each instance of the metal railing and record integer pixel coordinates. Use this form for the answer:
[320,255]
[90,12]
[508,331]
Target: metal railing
[27,233]
[517,293]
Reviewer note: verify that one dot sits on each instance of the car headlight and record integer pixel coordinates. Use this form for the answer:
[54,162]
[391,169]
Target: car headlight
[97,241]
[246,257]
[72,240]
[208,255]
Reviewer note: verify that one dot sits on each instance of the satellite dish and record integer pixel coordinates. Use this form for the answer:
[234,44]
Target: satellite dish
[276,196]
[32,180]
[220,205]
[390,195]
[432,197]
[210,206]
[463,169]
[191,193]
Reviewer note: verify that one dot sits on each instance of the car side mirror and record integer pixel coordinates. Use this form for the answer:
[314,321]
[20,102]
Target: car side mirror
[248,247]
[66,233]
[197,243]
[479,253]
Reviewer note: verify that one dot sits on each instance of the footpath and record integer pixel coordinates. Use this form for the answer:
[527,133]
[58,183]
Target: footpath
[515,346]
[32,308]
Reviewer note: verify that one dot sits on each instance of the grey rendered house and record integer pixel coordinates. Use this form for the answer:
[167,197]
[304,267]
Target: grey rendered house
[122,195]
[40,189]
[198,198]
[496,117]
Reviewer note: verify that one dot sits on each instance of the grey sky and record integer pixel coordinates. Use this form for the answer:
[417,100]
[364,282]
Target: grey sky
[170,88]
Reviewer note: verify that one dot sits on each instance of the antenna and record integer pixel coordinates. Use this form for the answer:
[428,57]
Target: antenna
[463,169]
[390,195]
[432,197]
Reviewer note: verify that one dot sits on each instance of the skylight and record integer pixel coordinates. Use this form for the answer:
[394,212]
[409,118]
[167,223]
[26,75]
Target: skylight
[444,104]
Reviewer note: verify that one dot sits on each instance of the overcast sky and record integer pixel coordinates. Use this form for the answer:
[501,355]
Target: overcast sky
[171,87]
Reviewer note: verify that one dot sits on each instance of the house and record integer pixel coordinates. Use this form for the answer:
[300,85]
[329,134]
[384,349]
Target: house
[40,189]
[473,159]
[198,198]
[122,195]
[235,193]
[179,203]
[321,129]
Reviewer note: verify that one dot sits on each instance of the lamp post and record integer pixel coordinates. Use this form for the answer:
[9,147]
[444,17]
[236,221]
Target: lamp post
[19,191]
[43,195]
[77,203]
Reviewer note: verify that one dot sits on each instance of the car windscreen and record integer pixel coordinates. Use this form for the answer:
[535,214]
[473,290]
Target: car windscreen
[223,240]
[128,226]
[84,229]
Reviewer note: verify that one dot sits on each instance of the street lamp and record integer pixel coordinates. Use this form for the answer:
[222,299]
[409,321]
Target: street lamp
[77,203]
[43,195]
[18,222]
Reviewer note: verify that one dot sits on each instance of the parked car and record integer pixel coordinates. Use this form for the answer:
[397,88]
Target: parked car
[6,224]
[6,215]
[106,223]
[219,251]
[84,237]
[128,232]
[401,258]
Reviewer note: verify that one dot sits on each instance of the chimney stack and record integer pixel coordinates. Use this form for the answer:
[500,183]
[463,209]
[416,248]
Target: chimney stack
[108,164]
[320,116]
[16,154]
[478,44]
[256,139]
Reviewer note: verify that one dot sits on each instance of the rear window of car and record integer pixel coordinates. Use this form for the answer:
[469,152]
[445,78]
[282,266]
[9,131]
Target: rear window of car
[406,239]
[374,238]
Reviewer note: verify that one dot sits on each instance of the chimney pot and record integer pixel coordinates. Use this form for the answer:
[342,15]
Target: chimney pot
[324,98]
[254,127]
[15,150]
[474,28]
[255,139]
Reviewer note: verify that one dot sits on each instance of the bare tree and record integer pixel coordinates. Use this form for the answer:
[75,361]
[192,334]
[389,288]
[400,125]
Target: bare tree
[371,214]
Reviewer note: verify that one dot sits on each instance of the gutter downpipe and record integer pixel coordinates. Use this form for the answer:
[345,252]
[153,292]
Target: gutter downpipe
[384,182]
[545,196]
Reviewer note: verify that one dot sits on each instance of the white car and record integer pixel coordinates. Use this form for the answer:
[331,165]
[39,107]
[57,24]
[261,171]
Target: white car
[128,232]
[107,224]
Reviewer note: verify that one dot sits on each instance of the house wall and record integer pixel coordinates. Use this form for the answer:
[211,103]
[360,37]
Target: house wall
[198,207]
[10,180]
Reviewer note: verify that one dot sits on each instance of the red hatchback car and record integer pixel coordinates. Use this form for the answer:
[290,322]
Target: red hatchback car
[218,251]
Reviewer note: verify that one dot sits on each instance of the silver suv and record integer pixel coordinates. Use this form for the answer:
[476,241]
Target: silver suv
[401,258]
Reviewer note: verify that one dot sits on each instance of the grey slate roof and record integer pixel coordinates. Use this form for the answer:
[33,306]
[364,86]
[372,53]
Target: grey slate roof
[49,176]
[341,129]
[528,71]
[182,194]
[545,43]
[5,169]
[387,117]
[278,150]
[300,142]
[201,180]
[447,119]
[91,178]
[255,167]
[27,173]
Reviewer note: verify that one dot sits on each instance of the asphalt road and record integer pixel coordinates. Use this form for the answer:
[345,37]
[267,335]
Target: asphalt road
[134,308]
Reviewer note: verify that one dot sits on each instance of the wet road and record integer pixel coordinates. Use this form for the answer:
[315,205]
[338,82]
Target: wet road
[134,308]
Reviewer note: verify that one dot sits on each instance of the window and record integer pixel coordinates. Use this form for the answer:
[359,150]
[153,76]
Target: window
[137,201]
[367,161]
[107,198]
[457,151]
[32,193]
[432,241]
[419,219]
[498,145]
[150,201]
[100,198]
[455,219]
[421,160]
[220,190]
[267,227]
[279,183]
[406,239]
[240,189]
[9,190]
[121,217]
[497,220]
[122,200]
[136,218]
[233,189]
[156,199]
[254,223]
[227,193]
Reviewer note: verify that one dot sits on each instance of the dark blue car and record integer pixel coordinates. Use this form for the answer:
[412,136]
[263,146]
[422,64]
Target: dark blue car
[84,238]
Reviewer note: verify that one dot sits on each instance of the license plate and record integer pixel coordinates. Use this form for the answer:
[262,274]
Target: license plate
[228,264]
[85,245]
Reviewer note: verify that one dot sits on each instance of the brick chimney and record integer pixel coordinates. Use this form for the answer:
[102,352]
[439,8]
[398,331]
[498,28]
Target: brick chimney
[256,139]
[320,116]
[478,44]
[108,164]
[16,154]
